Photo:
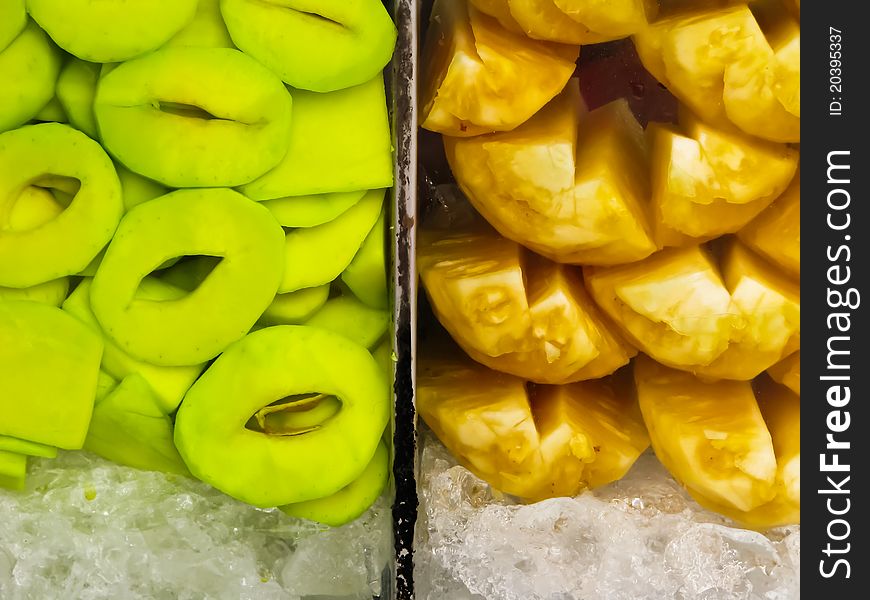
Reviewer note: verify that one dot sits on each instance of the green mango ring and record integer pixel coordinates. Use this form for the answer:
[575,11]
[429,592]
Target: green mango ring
[67,243]
[312,210]
[109,31]
[28,71]
[76,88]
[318,45]
[212,222]
[268,365]
[351,501]
[195,117]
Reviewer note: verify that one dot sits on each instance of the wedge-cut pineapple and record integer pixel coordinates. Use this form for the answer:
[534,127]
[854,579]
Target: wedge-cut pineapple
[534,443]
[788,372]
[719,62]
[485,420]
[776,232]
[591,432]
[613,18]
[674,305]
[771,307]
[479,77]
[710,436]
[539,20]
[708,182]
[501,10]
[517,313]
[570,185]
[781,410]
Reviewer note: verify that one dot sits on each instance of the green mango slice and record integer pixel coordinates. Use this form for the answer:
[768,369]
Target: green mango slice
[26,447]
[13,18]
[366,275]
[52,112]
[351,501]
[384,355]
[49,363]
[28,70]
[169,383]
[194,117]
[101,31]
[352,319]
[319,45]
[105,384]
[13,470]
[67,243]
[197,327]
[136,189]
[296,416]
[76,89]
[317,255]
[339,142]
[297,307]
[189,273]
[51,292]
[312,210]
[207,30]
[130,428]
[266,366]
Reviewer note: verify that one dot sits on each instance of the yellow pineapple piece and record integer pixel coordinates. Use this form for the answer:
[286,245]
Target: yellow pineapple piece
[708,182]
[788,372]
[614,18]
[776,232]
[540,443]
[485,420]
[501,10]
[674,305]
[710,436]
[771,307]
[781,410]
[570,185]
[719,62]
[543,20]
[479,77]
[521,315]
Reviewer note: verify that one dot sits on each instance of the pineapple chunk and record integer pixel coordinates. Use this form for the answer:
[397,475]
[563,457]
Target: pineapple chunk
[543,20]
[674,305]
[776,233]
[719,62]
[501,10]
[531,319]
[710,436]
[781,410]
[480,77]
[707,182]
[540,443]
[788,372]
[613,18]
[568,185]
[771,307]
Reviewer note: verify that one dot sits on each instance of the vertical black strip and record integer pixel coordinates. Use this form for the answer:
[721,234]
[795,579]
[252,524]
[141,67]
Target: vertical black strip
[405,281]
[834,174]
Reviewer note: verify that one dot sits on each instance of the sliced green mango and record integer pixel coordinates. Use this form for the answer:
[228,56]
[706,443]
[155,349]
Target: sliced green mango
[137,189]
[53,154]
[13,18]
[269,365]
[49,363]
[384,355]
[26,447]
[351,501]
[339,142]
[297,307]
[207,30]
[111,31]
[352,319]
[317,255]
[105,384]
[169,383]
[313,210]
[51,292]
[76,88]
[194,117]
[52,112]
[13,470]
[28,70]
[320,45]
[130,427]
[366,275]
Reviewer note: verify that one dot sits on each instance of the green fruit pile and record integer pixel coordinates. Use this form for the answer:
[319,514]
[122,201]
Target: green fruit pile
[193,275]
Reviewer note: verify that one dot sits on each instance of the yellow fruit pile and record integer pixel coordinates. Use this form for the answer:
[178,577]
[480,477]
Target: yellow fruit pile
[673,248]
